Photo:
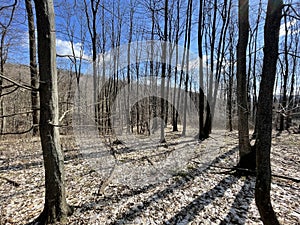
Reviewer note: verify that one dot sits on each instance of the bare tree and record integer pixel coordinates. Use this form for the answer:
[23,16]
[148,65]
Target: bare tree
[283,124]
[163,73]
[246,159]
[33,66]
[130,34]
[4,28]
[177,28]
[231,73]
[264,113]
[188,41]
[254,66]
[92,27]
[288,64]
[201,18]
[55,207]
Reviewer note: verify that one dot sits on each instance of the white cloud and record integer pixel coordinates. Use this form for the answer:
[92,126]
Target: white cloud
[65,48]
[289,25]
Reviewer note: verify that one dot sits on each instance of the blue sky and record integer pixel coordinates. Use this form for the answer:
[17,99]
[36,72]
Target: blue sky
[19,48]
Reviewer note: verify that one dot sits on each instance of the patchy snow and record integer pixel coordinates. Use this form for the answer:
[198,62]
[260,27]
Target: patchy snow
[193,195]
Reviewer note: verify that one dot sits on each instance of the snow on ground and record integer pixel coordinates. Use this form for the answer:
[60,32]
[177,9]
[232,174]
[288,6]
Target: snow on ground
[190,194]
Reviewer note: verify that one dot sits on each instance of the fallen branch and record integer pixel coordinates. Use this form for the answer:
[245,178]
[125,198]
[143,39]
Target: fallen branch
[14,183]
[230,169]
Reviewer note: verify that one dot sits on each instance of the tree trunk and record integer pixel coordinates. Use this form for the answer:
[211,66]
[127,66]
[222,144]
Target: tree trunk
[230,76]
[254,107]
[163,74]
[201,135]
[188,27]
[285,74]
[92,27]
[177,28]
[247,160]
[33,67]
[129,67]
[55,208]
[294,69]
[264,114]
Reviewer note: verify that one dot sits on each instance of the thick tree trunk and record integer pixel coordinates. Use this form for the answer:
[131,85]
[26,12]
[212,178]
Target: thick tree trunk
[201,135]
[55,208]
[33,67]
[264,114]
[247,160]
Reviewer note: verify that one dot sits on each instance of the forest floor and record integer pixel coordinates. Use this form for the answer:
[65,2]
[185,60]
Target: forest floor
[196,195]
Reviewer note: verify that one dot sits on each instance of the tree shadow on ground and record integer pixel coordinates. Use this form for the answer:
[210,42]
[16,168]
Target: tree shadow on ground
[196,205]
[241,203]
[188,213]
[238,211]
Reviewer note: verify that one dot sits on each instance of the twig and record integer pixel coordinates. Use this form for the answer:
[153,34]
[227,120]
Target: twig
[16,184]
[8,6]
[230,169]
[64,114]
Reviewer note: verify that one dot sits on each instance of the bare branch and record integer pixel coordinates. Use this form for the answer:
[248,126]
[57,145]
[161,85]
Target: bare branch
[64,114]
[20,132]
[8,6]
[24,86]
[289,6]
[12,14]
[290,53]
[16,114]
[71,56]
[9,92]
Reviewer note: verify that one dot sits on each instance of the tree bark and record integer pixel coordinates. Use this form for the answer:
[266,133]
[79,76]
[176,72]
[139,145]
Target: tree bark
[188,36]
[283,120]
[230,76]
[55,207]
[163,74]
[202,135]
[264,114]
[33,66]
[129,67]
[247,160]
[92,28]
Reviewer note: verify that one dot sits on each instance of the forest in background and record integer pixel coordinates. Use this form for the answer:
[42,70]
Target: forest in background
[115,24]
